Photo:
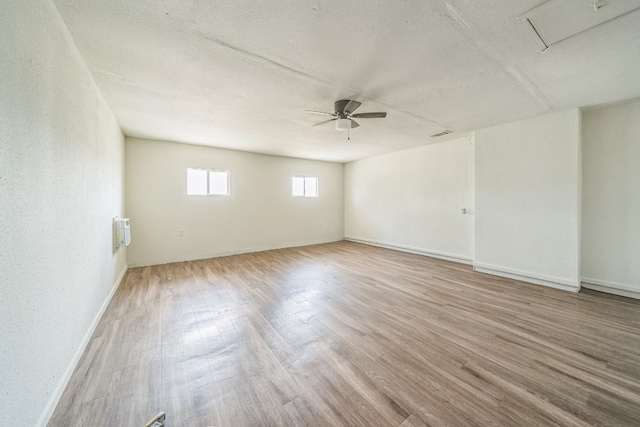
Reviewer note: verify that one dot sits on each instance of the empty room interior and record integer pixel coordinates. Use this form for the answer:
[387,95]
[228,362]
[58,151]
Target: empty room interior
[306,213]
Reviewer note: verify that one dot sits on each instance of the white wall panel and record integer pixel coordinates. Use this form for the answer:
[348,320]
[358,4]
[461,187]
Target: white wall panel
[61,182]
[167,225]
[528,199]
[413,200]
[611,198]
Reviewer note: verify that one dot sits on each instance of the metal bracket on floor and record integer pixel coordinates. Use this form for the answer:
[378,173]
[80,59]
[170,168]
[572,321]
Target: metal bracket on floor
[157,421]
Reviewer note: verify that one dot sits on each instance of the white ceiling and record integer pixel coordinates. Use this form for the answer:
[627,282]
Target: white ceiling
[239,74]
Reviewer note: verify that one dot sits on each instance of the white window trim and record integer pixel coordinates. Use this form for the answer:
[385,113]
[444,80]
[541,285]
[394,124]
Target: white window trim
[304,186]
[208,179]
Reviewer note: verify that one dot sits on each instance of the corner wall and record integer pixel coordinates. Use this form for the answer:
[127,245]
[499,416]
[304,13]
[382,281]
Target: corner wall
[61,182]
[412,200]
[528,202]
[260,214]
[611,199]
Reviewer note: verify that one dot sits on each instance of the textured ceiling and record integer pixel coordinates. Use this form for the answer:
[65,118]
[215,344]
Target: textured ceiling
[239,74]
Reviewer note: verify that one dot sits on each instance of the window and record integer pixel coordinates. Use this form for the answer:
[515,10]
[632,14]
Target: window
[305,186]
[202,182]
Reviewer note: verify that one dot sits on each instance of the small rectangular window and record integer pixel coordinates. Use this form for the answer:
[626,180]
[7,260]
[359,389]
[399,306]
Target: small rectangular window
[196,182]
[310,187]
[298,186]
[305,186]
[202,182]
[219,183]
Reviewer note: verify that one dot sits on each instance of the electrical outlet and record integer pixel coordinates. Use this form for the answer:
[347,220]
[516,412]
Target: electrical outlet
[181,233]
[464,211]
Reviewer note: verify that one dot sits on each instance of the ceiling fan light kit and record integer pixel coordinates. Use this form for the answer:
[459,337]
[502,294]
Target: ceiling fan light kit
[343,124]
[343,115]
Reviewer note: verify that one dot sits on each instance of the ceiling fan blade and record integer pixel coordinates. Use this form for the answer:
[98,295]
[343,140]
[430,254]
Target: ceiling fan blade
[370,115]
[319,112]
[351,106]
[326,121]
[354,124]
[338,106]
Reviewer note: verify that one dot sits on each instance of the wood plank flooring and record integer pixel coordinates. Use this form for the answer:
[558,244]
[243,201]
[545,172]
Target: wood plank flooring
[348,334]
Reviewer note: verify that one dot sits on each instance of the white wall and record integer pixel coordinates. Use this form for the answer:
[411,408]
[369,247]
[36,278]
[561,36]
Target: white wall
[611,198]
[61,181]
[528,199]
[413,200]
[259,214]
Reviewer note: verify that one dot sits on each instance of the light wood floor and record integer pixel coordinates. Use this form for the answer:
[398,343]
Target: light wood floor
[347,334]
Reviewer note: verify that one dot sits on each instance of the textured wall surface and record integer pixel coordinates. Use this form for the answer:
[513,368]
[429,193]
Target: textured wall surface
[167,225]
[528,198]
[611,197]
[413,199]
[61,182]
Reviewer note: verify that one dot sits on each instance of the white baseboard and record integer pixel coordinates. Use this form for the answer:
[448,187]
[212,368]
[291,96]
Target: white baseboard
[525,276]
[419,251]
[218,254]
[611,287]
[62,384]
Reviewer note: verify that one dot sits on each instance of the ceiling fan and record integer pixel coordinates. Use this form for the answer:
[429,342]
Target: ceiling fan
[343,115]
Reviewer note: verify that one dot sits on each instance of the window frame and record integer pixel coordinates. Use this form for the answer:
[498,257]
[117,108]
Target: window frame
[304,186]
[208,182]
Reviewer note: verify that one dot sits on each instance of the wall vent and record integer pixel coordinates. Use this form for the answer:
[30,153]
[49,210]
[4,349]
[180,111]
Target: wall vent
[446,132]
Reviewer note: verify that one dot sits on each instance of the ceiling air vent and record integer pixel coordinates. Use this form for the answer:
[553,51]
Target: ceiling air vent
[446,132]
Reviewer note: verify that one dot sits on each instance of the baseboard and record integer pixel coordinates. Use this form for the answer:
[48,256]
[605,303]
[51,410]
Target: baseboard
[55,398]
[611,287]
[419,251]
[195,257]
[525,276]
